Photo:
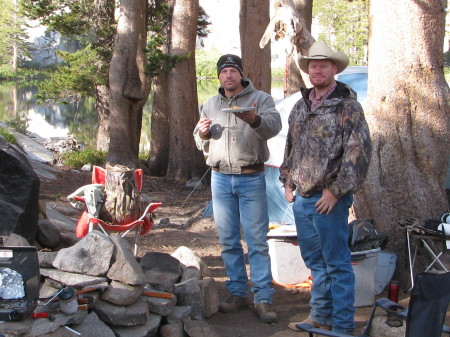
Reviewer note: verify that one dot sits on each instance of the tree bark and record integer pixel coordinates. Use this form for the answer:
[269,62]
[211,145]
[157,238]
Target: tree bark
[103,21]
[128,83]
[158,161]
[254,17]
[185,160]
[408,115]
[294,80]
[103,114]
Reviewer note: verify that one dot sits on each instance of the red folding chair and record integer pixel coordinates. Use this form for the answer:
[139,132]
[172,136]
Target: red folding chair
[88,221]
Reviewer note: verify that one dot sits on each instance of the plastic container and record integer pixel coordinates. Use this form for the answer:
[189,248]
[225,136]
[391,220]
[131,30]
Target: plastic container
[364,267]
[286,261]
[67,301]
[386,265]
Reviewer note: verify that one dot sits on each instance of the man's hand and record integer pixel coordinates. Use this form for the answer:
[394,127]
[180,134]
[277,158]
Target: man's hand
[326,203]
[248,116]
[289,194]
[204,124]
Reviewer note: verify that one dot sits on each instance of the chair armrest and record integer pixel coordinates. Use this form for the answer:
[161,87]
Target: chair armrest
[312,330]
[392,307]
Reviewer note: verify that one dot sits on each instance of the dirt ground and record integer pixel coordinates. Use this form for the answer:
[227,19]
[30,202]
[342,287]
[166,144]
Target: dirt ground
[183,207]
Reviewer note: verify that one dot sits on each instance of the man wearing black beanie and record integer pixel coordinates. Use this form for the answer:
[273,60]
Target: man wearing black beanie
[232,132]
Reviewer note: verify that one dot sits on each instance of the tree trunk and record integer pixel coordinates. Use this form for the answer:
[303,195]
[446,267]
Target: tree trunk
[103,21]
[185,160]
[253,19]
[103,113]
[408,115]
[158,161]
[129,85]
[294,80]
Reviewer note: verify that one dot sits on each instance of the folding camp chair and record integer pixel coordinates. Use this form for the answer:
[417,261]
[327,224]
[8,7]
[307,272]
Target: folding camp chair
[89,220]
[432,242]
[424,316]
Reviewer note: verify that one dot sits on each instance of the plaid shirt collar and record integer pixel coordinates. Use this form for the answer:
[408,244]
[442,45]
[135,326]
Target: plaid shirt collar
[316,102]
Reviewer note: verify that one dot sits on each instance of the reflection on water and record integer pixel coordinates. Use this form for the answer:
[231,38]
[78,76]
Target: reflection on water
[80,119]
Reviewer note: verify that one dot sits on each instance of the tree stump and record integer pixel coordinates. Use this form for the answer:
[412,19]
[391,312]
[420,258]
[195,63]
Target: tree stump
[123,201]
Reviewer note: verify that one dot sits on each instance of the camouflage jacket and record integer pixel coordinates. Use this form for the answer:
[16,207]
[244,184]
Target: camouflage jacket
[327,148]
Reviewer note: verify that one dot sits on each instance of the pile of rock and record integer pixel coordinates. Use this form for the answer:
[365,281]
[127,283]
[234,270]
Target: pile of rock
[157,294]
[61,145]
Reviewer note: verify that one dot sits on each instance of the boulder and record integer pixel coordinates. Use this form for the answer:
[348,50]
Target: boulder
[19,193]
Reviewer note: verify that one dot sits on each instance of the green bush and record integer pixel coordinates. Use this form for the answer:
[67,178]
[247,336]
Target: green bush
[77,159]
[9,137]
[278,73]
[19,124]
[143,157]
[447,74]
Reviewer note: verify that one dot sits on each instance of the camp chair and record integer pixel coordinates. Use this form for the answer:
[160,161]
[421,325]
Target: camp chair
[89,220]
[424,316]
[431,242]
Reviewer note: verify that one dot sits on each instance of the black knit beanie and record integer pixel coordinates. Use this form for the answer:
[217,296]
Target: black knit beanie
[229,60]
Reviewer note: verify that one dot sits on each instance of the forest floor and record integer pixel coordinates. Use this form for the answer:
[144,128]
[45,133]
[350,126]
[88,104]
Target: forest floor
[183,208]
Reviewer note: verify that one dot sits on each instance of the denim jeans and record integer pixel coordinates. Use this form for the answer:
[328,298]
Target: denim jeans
[241,199]
[323,241]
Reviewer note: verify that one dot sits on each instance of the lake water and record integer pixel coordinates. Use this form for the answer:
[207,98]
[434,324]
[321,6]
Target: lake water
[80,119]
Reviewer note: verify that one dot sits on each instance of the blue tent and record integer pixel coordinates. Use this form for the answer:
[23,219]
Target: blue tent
[280,211]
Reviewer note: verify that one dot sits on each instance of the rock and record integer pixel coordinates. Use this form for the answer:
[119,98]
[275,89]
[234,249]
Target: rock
[210,296]
[148,329]
[172,330]
[161,270]
[91,255]
[158,305]
[191,259]
[125,268]
[47,291]
[19,195]
[195,328]
[71,279]
[178,314]
[198,329]
[190,273]
[48,234]
[189,294]
[92,326]
[63,222]
[42,326]
[122,294]
[115,315]
[15,240]
[46,258]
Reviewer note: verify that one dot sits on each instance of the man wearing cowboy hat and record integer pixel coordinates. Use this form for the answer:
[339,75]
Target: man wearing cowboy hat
[326,159]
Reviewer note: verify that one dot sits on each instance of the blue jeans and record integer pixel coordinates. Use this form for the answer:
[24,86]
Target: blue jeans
[323,241]
[241,198]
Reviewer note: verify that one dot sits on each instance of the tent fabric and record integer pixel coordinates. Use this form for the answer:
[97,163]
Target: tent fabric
[280,211]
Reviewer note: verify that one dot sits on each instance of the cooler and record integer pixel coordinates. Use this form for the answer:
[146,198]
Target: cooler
[364,267]
[286,262]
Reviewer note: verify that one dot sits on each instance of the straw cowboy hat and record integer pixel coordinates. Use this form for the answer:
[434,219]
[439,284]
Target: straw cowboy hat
[320,51]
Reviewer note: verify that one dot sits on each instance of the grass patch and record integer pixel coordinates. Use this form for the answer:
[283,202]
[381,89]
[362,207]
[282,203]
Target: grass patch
[143,157]
[19,124]
[9,137]
[78,159]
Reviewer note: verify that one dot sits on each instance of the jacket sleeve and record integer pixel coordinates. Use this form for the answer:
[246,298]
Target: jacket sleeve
[285,167]
[357,152]
[270,124]
[201,141]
